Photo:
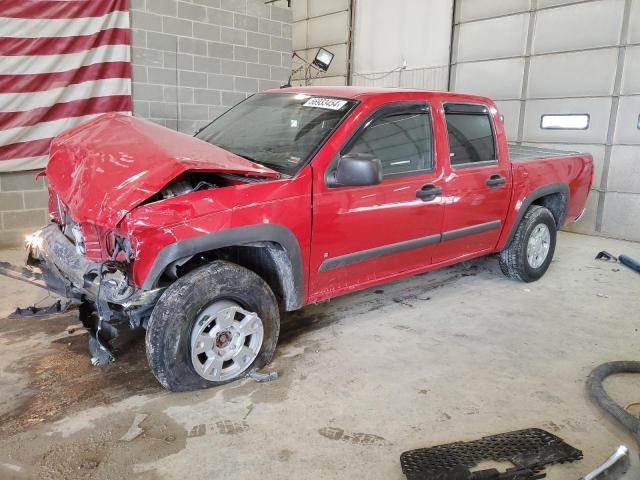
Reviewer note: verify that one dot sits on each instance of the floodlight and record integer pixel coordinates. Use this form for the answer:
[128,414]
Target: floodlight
[323,59]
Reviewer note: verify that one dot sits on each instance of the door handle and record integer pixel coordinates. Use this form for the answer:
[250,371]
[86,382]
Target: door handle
[496,180]
[428,192]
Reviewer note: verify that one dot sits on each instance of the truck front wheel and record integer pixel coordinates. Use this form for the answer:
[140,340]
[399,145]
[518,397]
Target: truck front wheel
[528,255]
[211,327]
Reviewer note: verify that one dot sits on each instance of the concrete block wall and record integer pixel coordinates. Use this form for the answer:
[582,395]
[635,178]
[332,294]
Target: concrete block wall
[192,60]
[23,206]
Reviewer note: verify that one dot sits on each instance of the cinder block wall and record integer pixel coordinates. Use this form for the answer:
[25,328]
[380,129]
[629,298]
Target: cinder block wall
[23,206]
[192,60]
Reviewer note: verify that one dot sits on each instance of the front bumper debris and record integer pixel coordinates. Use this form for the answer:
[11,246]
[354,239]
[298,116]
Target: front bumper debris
[530,451]
[102,291]
[23,274]
[53,260]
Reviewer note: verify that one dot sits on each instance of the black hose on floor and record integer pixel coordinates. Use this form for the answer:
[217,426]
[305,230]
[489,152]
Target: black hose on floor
[629,262]
[600,396]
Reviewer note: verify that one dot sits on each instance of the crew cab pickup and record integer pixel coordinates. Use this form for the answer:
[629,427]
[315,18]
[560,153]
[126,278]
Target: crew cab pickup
[293,196]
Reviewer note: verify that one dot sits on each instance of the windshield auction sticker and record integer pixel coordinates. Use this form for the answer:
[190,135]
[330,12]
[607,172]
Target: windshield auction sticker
[329,103]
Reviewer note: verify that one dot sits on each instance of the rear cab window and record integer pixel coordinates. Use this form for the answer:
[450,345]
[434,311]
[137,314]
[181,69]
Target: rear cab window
[400,135]
[471,135]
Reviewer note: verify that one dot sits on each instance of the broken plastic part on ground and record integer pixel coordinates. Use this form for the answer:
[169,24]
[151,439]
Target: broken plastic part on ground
[263,377]
[528,450]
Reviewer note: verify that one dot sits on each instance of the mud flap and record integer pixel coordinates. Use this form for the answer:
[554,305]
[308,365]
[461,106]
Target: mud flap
[101,353]
[101,333]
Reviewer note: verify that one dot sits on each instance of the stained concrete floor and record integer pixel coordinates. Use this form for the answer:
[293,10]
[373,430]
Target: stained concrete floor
[451,355]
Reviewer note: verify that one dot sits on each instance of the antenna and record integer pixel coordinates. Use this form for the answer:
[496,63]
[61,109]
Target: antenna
[177,90]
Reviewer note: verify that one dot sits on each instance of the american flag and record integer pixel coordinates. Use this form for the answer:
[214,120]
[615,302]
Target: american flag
[62,62]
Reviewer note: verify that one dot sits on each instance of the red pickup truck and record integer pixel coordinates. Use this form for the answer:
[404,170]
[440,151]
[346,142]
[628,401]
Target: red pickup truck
[293,196]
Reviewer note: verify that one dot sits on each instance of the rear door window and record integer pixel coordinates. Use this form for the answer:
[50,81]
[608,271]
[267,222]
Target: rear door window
[470,132]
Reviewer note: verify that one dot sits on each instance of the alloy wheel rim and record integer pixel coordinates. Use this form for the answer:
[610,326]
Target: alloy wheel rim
[538,245]
[225,340]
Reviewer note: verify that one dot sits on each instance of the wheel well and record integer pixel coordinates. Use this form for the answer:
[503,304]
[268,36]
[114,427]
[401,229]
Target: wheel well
[268,260]
[556,203]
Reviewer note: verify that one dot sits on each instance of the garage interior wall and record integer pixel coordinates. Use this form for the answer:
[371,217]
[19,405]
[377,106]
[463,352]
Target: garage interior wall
[224,50]
[534,57]
[402,44]
[320,23]
[539,57]
[411,50]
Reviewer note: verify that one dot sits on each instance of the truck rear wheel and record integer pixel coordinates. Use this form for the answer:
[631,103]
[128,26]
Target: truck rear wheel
[528,255]
[211,327]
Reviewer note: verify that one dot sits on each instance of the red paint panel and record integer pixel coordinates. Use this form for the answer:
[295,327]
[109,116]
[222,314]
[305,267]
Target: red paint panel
[575,171]
[47,81]
[281,202]
[350,220]
[62,45]
[105,167]
[60,9]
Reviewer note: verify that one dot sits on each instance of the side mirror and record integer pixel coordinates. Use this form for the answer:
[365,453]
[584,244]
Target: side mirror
[355,169]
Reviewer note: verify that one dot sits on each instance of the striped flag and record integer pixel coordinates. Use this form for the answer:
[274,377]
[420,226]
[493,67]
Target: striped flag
[62,62]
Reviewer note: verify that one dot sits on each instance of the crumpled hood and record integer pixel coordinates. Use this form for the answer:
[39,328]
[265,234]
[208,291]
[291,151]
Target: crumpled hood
[104,168]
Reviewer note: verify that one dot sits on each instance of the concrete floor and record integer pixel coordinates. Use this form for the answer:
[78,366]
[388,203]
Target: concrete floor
[452,355]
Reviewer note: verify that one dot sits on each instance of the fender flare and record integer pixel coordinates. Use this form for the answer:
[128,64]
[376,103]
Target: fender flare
[562,188]
[235,237]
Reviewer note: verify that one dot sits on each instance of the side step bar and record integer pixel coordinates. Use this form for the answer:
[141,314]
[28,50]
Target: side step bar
[23,274]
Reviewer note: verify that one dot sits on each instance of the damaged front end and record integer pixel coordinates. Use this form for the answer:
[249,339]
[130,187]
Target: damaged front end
[99,173]
[103,291]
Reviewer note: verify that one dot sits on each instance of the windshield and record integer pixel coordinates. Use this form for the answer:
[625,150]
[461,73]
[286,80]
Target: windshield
[278,130]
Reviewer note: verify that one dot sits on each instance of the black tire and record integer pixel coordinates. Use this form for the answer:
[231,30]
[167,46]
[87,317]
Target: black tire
[513,259]
[168,333]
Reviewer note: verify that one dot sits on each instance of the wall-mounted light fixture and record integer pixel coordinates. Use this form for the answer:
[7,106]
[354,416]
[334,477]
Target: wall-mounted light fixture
[267,2]
[323,59]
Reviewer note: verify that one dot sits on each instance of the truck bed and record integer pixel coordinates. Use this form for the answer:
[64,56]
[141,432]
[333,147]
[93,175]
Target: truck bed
[521,153]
